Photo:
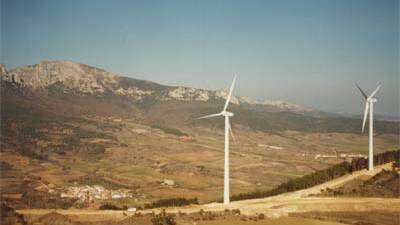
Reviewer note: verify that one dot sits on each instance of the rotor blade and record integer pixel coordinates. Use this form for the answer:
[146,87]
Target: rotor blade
[362,92]
[231,132]
[209,116]
[374,92]
[228,99]
[365,116]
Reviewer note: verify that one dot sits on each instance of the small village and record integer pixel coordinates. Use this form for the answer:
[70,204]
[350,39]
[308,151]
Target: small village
[89,193]
[343,156]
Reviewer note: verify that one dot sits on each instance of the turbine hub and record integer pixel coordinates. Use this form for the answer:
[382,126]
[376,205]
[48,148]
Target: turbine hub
[226,113]
[373,100]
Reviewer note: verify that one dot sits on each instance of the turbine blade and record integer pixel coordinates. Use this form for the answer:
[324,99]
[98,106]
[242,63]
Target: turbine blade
[362,92]
[231,132]
[374,92]
[228,99]
[365,116]
[209,116]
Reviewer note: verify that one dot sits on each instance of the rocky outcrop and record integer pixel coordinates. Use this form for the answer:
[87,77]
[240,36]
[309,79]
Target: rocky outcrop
[133,92]
[224,93]
[287,106]
[71,75]
[187,94]
[3,70]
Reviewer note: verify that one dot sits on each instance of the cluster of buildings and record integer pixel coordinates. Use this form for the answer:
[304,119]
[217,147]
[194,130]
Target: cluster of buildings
[344,156]
[168,183]
[96,192]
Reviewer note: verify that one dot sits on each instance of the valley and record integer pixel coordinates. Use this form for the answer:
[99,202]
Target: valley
[78,137]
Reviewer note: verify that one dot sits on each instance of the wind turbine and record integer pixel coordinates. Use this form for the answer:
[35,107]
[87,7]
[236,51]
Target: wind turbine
[369,104]
[228,130]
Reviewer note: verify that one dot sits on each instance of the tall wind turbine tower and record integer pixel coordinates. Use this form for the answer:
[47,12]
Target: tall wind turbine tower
[228,129]
[369,104]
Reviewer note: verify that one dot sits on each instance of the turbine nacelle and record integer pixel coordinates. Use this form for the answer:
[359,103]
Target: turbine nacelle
[226,113]
[369,101]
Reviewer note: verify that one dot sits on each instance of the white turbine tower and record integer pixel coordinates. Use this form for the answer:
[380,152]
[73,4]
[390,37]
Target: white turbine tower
[369,104]
[228,130]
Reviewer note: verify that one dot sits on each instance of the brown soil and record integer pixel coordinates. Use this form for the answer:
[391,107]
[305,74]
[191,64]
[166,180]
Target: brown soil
[359,218]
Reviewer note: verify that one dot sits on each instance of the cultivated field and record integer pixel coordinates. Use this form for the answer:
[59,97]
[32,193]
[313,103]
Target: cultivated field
[140,158]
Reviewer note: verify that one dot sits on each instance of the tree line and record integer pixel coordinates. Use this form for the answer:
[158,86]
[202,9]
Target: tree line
[171,202]
[379,159]
[169,130]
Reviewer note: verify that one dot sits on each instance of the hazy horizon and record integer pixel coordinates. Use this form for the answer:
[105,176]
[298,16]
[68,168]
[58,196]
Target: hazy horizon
[306,52]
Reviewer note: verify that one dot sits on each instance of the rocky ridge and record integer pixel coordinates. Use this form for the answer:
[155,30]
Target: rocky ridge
[69,76]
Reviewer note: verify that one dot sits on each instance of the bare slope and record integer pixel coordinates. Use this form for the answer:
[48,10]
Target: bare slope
[384,184]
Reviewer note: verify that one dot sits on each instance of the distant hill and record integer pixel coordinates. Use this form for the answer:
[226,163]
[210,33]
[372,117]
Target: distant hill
[76,89]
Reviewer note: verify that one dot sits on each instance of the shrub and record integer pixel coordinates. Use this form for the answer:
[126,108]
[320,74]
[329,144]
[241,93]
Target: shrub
[163,219]
[109,206]
[236,212]
[168,130]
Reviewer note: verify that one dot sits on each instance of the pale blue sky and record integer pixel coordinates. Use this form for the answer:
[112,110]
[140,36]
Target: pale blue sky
[309,52]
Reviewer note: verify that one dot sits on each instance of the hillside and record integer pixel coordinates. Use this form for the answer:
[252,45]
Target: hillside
[66,125]
[384,184]
[286,208]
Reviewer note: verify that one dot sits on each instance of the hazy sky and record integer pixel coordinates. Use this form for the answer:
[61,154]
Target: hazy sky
[307,52]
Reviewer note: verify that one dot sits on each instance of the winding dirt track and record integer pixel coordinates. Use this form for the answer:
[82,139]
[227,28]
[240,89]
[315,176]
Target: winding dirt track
[276,206]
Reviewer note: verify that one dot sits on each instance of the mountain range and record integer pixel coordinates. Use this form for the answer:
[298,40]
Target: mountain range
[82,89]
[87,80]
